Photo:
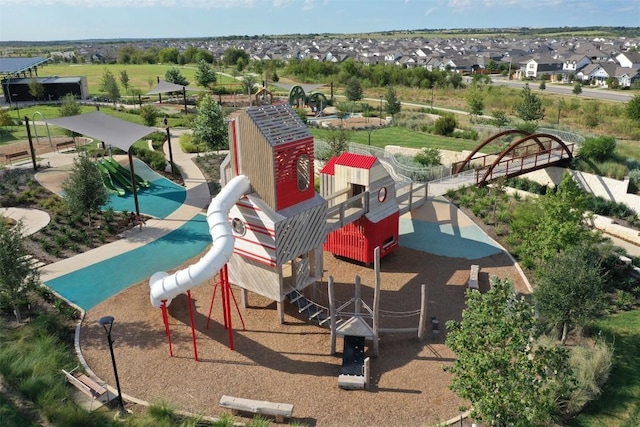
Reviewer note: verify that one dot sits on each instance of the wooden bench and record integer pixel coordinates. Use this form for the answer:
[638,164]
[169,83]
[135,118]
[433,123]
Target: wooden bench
[18,155]
[473,277]
[86,385]
[277,410]
[64,144]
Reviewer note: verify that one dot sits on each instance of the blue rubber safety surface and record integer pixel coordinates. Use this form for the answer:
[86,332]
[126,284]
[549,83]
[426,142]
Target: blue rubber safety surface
[468,242]
[159,200]
[91,285]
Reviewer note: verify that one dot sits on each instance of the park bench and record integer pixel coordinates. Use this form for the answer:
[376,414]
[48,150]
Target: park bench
[86,385]
[277,410]
[18,155]
[473,277]
[64,144]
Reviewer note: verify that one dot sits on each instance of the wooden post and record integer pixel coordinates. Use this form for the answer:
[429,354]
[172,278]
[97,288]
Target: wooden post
[33,153]
[133,184]
[423,312]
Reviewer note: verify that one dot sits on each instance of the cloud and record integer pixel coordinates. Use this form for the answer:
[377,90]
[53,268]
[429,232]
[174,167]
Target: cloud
[430,11]
[308,5]
[460,5]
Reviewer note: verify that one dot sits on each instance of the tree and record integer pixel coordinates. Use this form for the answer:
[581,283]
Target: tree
[571,289]
[338,140]
[551,224]
[173,75]
[84,190]
[500,119]
[169,55]
[248,83]
[353,89]
[17,274]
[124,80]
[209,127]
[445,125]
[577,89]
[633,109]
[393,106]
[475,101]
[205,76]
[428,157]
[543,84]
[36,89]
[530,107]
[598,148]
[149,115]
[231,56]
[455,80]
[70,107]
[510,379]
[110,86]
[5,118]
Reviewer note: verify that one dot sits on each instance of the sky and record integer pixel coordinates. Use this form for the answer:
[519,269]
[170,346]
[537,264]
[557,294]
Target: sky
[50,20]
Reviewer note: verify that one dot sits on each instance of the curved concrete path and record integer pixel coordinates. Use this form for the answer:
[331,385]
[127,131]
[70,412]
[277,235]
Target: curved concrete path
[32,219]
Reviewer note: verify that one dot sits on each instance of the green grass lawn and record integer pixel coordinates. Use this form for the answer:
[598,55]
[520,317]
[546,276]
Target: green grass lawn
[619,405]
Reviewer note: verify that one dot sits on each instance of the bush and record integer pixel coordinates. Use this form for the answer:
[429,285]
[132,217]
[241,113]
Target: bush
[155,159]
[445,125]
[591,367]
[188,146]
[599,149]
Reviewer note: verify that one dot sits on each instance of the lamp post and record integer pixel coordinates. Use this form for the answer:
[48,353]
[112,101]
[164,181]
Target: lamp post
[166,125]
[369,131]
[107,324]
[380,110]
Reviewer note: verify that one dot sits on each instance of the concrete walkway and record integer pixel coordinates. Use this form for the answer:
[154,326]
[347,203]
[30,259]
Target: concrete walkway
[197,199]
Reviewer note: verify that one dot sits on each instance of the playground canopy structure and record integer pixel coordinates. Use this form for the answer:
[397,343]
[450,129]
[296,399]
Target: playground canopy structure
[110,130]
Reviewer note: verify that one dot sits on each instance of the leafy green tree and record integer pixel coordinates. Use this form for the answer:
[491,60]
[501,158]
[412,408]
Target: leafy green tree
[475,101]
[338,140]
[577,89]
[393,105]
[500,119]
[109,85]
[169,55]
[231,56]
[598,148]
[149,115]
[551,224]
[570,289]
[84,190]
[36,89]
[70,107]
[173,75]
[353,89]
[529,108]
[209,127]
[633,109]
[18,276]
[509,377]
[205,76]
[445,125]
[5,118]
[124,80]
[455,80]
[428,157]
[248,83]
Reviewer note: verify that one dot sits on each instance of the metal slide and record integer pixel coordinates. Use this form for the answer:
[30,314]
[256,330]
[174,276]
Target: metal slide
[166,287]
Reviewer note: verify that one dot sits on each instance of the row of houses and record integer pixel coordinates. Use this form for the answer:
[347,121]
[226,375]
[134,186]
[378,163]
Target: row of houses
[592,61]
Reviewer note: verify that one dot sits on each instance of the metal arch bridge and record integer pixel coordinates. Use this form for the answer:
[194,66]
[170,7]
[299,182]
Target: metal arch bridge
[528,153]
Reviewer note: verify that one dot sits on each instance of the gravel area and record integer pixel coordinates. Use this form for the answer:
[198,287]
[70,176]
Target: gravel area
[291,362]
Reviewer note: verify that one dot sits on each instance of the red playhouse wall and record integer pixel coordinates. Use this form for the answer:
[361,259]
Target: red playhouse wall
[358,240]
[286,173]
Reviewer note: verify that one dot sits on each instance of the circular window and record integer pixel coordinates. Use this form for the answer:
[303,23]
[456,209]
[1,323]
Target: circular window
[304,172]
[382,194]
[238,226]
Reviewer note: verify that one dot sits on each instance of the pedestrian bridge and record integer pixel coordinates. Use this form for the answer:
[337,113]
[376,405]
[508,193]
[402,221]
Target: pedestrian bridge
[528,153]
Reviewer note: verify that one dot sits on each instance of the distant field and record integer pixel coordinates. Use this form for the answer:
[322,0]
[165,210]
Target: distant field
[142,78]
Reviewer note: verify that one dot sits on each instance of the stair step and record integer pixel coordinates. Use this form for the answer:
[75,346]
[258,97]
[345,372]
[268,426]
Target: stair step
[295,297]
[310,304]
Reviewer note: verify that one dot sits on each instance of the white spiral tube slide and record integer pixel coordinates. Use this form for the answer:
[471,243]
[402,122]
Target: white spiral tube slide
[166,287]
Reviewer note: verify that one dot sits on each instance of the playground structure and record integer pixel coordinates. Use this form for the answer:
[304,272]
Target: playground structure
[269,225]
[117,179]
[317,101]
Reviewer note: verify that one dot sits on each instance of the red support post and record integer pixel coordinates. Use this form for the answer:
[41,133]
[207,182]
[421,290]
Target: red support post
[193,330]
[226,305]
[213,298]
[165,320]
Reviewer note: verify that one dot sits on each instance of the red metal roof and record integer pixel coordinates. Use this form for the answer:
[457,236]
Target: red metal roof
[329,168]
[359,161]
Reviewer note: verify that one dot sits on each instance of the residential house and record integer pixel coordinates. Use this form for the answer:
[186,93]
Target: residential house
[629,59]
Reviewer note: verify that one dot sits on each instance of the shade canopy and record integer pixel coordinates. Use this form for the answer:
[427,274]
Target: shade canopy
[167,87]
[110,130]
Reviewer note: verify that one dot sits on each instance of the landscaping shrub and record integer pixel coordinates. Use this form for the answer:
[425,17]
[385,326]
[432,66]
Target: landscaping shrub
[445,125]
[599,149]
[591,367]
[155,159]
